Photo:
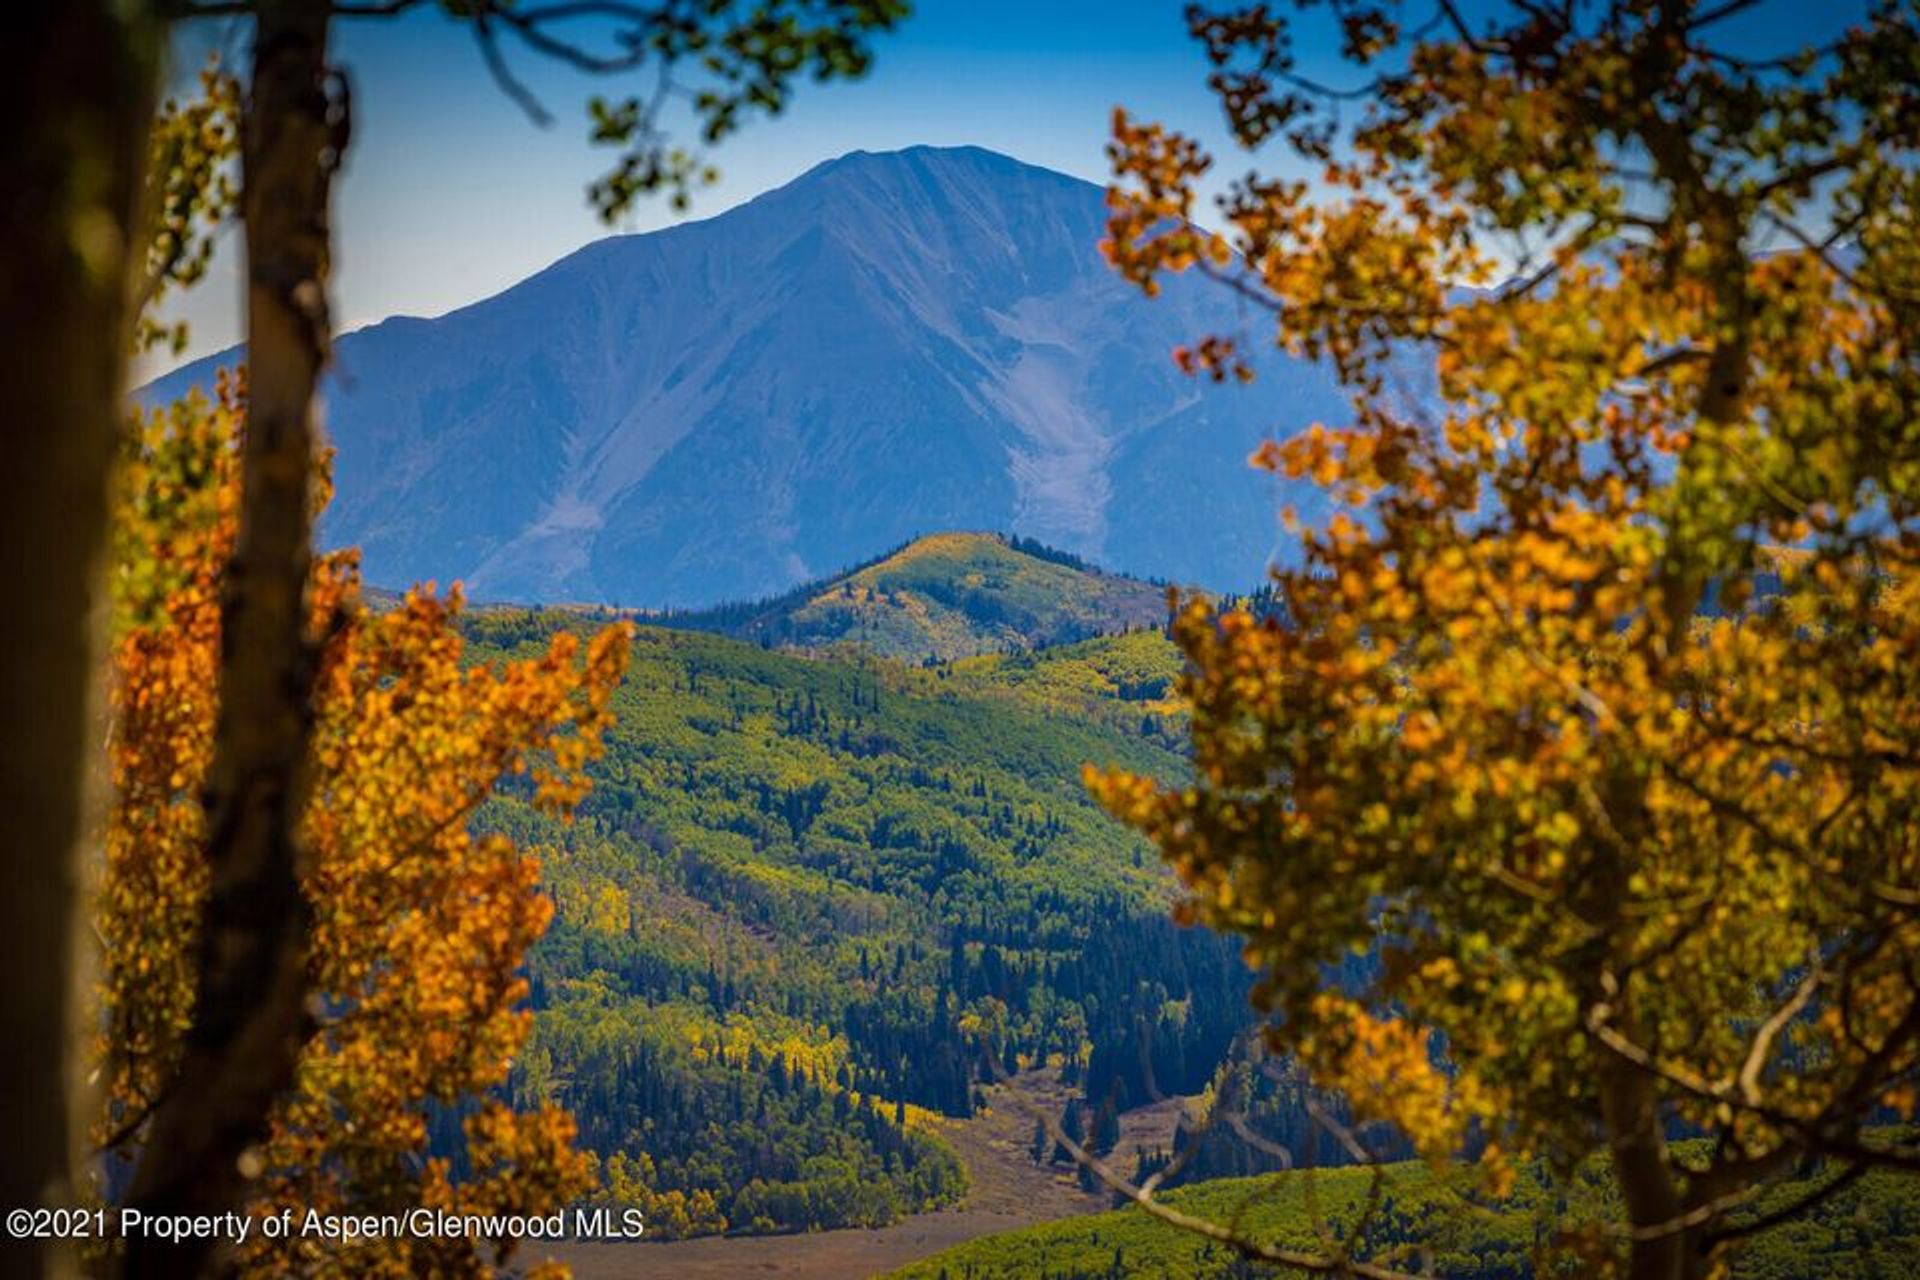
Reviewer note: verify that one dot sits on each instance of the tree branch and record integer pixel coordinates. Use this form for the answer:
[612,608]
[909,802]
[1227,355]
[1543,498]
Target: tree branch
[1791,1210]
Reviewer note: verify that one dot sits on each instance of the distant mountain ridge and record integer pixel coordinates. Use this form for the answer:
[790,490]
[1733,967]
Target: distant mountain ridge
[915,340]
[946,596]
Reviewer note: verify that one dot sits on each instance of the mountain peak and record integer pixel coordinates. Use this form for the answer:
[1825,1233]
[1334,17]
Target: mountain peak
[928,159]
[894,341]
[947,199]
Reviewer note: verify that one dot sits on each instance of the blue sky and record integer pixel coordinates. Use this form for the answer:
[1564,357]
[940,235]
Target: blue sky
[451,194]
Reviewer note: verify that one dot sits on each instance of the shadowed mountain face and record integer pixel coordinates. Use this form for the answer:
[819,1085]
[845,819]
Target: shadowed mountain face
[890,345]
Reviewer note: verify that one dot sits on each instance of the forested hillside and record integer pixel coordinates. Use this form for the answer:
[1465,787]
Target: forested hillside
[1868,1230]
[806,895]
[946,596]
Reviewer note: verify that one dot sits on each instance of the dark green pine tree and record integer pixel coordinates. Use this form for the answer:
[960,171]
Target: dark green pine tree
[1072,1127]
[1106,1127]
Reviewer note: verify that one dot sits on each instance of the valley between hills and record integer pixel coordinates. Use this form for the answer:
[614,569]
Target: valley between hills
[832,879]
[1007,1190]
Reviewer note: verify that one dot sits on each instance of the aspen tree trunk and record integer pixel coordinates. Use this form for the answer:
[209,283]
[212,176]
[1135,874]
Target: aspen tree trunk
[251,1015]
[77,85]
[1630,1106]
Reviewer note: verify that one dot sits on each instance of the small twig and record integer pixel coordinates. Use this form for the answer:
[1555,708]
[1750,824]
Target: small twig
[1792,1209]
[1763,1039]
[503,75]
[1245,1246]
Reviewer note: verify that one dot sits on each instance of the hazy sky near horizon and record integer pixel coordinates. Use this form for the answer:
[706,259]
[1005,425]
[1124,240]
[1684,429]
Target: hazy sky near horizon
[451,194]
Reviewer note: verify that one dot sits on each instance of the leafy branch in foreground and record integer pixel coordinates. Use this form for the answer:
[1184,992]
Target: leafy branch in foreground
[414,987]
[1595,706]
[290,132]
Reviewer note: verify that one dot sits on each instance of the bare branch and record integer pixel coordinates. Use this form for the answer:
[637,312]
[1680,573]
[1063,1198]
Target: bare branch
[1792,1209]
[1237,1121]
[1258,1251]
[1332,1263]
[503,75]
[373,8]
[1825,1134]
[1763,1039]
[1707,17]
[530,26]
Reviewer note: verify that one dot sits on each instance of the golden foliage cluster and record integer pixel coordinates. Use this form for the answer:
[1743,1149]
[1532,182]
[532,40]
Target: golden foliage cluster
[1627,800]
[420,927]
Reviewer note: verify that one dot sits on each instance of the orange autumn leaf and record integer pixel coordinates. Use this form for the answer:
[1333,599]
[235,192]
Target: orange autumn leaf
[420,927]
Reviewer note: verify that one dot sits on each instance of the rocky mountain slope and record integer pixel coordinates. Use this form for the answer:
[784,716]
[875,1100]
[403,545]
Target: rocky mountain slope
[891,344]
